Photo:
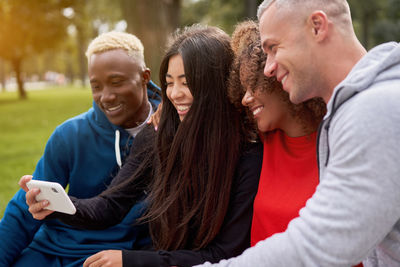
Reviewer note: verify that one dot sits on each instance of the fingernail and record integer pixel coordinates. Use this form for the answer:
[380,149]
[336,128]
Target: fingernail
[155,128]
[45,202]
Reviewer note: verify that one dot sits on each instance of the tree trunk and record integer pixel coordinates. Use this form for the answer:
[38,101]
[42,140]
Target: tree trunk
[18,73]
[81,55]
[82,21]
[69,72]
[152,22]
[2,76]
[365,30]
[251,9]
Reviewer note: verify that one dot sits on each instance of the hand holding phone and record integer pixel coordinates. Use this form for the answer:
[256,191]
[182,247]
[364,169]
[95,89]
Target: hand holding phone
[55,194]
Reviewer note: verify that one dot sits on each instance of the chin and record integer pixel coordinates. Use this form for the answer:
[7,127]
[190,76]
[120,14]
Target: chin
[263,129]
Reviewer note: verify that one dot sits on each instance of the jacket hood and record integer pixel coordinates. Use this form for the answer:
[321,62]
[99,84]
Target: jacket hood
[379,64]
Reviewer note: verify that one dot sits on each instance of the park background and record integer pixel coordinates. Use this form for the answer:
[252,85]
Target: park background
[43,69]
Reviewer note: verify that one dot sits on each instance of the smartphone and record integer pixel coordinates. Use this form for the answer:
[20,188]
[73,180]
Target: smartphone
[55,194]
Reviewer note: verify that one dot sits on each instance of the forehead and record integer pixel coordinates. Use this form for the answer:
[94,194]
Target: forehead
[273,25]
[175,64]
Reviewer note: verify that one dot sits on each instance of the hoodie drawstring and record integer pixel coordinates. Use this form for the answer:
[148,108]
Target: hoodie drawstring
[117,150]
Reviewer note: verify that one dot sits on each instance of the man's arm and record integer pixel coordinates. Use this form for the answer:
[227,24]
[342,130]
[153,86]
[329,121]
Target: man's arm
[18,227]
[357,202]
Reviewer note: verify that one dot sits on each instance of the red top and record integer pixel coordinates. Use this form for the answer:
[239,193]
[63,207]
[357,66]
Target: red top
[289,177]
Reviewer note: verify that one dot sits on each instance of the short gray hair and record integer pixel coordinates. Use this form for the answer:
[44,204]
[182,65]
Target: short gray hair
[337,10]
[263,6]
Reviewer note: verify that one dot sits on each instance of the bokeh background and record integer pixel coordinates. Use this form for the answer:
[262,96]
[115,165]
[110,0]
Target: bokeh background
[43,69]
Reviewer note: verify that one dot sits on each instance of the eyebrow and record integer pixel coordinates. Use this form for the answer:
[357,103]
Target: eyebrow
[265,44]
[179,77]
[115,76]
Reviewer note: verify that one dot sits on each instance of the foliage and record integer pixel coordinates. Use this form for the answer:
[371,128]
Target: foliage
[26,126]
[221,13]
[152,22]
[376,21]
[388,28]
[29,27]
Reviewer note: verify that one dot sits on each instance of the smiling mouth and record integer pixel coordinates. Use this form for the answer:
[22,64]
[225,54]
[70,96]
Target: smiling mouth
[284,79]
[114,108]
[257,110]
[182,109]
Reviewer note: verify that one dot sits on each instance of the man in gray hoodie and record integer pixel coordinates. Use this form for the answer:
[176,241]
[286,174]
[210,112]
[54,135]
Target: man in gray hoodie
[354,214]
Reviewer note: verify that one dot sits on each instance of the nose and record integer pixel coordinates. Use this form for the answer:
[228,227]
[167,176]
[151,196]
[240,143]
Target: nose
[107,95]
[247,98]
[270,67]
[176,91]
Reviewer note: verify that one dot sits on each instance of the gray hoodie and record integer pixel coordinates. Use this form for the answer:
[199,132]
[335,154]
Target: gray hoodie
[354,214]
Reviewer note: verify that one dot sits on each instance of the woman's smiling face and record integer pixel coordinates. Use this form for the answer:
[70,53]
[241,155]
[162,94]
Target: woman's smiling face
[177,89]
[267,106]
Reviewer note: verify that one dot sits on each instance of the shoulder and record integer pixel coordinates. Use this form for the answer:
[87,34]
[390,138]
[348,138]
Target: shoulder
[251,150]
[376,107]
[249,165]
[144,139]
[75,123]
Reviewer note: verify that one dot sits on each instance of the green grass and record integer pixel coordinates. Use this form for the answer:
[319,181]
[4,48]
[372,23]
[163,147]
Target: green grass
[25,126]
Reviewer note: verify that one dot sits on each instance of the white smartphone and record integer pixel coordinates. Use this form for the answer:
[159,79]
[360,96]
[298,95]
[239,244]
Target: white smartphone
[55,194]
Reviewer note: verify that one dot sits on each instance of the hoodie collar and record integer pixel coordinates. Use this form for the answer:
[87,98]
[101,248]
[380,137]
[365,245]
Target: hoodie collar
[370,69]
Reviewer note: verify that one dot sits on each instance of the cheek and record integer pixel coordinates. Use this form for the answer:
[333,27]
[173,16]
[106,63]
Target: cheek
[168,93]
[188,95]
[135,96]
[96,96]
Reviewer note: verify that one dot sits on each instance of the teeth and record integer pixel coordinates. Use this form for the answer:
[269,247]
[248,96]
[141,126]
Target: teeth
[257,110]
[114,108]
[284,79]
[183,108]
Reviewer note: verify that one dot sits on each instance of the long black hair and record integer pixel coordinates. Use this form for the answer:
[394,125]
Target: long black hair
[190,194]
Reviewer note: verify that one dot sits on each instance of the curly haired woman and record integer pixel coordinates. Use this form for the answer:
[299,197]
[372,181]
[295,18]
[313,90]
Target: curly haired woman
[289,173]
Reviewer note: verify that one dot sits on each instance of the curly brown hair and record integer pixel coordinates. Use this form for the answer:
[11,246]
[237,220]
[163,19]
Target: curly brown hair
[250,59]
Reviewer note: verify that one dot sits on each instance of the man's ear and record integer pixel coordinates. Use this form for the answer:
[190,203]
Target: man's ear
[146,75]
[319,25]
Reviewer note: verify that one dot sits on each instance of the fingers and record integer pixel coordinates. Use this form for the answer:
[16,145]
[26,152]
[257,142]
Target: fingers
[91,260]
[95,260]
[23,181]
[155,118]
[37,208]
[105,258]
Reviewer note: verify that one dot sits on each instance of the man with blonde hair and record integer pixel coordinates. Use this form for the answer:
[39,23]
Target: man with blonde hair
[354,214]
[85,153]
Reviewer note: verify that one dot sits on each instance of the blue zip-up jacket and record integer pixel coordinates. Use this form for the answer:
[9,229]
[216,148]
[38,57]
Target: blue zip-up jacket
[80,153]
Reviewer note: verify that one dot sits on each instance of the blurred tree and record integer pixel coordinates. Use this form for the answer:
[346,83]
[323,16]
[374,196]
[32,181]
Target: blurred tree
[2,75]
[29,27]
[90,18]
[222,13]
[388,29]
[82,25]
[251,8]
[152,22]
[366,13]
